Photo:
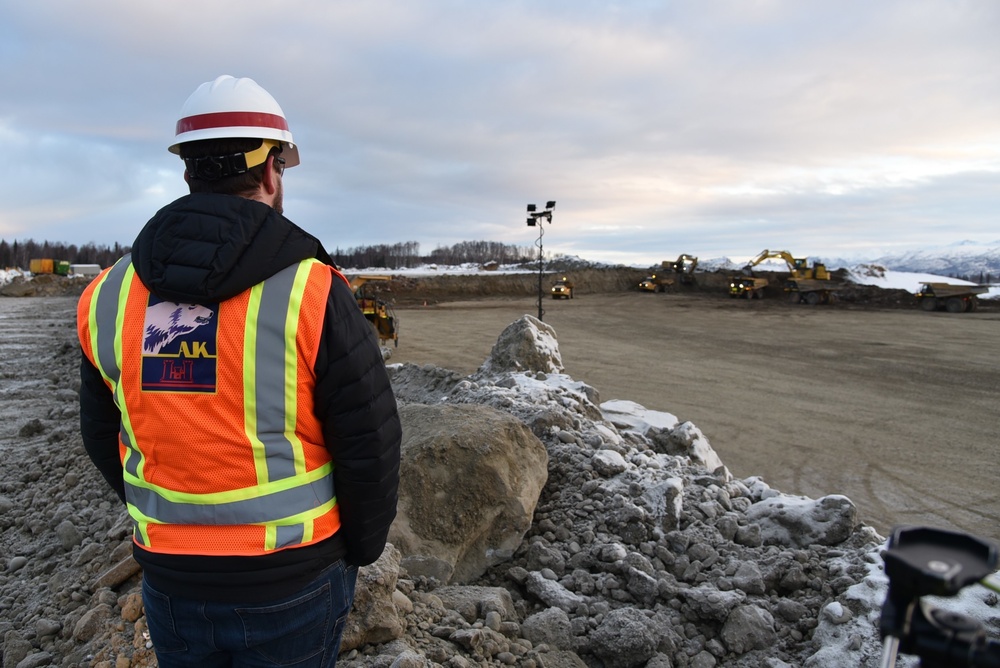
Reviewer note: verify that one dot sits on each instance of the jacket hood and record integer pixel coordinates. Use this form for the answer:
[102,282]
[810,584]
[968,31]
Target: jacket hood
[207,247]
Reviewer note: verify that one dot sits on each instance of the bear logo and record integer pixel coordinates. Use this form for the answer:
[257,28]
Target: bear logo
[166,321]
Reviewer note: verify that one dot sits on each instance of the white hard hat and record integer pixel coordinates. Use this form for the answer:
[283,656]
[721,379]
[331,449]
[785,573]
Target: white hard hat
[234,108]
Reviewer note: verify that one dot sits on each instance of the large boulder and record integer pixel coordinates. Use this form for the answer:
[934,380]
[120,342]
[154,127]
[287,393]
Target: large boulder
[470,478]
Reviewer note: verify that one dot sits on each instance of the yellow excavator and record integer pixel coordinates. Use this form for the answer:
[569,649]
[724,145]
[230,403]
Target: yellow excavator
[807,284]
[377,311]
[684,267]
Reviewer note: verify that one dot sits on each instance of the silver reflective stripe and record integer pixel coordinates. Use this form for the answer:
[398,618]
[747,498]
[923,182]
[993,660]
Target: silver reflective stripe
[271,419]
[290,535]
[106,311]
[268,508]
[109,301]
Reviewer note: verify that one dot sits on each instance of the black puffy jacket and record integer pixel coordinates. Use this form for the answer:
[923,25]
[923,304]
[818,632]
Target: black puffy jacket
[208,248]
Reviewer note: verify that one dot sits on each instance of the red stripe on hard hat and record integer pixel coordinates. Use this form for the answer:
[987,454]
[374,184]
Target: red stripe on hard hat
[226,119]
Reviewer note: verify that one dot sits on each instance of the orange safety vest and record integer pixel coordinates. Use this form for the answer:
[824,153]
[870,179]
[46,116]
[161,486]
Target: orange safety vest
[221,450]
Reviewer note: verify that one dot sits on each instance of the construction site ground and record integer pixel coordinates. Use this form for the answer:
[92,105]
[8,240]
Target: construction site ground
[869,397]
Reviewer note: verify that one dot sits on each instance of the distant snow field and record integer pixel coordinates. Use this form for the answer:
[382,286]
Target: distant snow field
[862,274]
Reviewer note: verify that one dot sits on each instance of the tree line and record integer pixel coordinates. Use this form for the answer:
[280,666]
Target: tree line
[18,254]
[407,255]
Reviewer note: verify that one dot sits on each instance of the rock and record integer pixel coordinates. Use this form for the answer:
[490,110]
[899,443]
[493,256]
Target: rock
[117,574]
[480,600]
[625,639]
[15,649]
[748,627]
[373,617]
[470,478]
[92,622]
[550,626]
[69,536]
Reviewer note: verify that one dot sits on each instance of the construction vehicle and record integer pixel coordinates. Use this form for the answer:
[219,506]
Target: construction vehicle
[684,267]
[655,283]
[562,289]
[48,266]
[809,285]
[751,287]
[376,310]
[949,297]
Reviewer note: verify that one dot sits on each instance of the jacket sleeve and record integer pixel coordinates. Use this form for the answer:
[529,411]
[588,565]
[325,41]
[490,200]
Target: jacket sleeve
[354,400]
[100,421]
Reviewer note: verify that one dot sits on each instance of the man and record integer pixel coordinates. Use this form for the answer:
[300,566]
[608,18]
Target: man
[235,398]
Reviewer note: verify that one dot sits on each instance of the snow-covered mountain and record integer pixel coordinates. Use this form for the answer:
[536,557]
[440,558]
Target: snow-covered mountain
[965,258]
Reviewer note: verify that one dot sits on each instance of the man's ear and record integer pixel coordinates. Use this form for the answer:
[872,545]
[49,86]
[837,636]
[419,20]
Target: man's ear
[270,181]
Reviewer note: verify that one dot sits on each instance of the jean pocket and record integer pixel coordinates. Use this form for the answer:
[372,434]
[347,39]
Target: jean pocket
[160,620]
[292,632]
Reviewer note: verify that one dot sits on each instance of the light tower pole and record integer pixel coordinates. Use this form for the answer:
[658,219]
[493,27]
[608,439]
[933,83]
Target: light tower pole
[535,218]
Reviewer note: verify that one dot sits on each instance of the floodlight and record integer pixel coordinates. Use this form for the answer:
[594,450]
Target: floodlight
[550,205]
[531,222]
[531,207]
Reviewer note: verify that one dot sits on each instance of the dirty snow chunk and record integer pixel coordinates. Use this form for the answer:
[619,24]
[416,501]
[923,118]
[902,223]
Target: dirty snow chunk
[527,344]
[798,521]
[608,463]
[709,603]
[695,445]
[636,417]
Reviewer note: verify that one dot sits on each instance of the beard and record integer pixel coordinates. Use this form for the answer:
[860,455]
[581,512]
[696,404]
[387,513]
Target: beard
[279,197]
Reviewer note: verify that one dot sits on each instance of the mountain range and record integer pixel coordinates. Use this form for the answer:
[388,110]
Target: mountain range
[978,262]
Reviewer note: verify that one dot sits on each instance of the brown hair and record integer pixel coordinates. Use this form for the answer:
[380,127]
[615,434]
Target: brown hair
[243,184]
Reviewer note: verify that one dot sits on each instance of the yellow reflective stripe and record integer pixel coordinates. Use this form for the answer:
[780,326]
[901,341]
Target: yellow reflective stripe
[292,364]
[250,384]
[242,494]
[126,418]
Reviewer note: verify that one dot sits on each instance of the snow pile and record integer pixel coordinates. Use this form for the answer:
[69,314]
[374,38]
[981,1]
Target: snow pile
[640,516]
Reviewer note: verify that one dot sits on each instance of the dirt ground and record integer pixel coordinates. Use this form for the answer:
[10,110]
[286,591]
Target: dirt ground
[894,408]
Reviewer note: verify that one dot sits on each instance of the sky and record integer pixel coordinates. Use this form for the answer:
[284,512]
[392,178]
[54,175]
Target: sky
[840,128]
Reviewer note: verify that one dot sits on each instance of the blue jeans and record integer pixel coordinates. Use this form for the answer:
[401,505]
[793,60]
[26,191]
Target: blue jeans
[302,630]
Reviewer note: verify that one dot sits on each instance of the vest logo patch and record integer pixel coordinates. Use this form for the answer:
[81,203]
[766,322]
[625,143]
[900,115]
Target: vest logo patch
[179,347]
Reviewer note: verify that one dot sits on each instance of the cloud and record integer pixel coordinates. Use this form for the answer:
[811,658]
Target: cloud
[659,128]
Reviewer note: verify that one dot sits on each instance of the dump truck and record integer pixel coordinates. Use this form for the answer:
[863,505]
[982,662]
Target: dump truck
[806,284]
[655,283]
[379,312]
[562,289]
[750,287]
[950,297]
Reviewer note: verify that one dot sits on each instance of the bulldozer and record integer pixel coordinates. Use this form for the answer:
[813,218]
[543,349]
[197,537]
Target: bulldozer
[949,297]
[376,310]
[807,284]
